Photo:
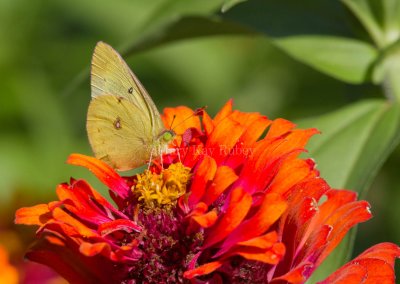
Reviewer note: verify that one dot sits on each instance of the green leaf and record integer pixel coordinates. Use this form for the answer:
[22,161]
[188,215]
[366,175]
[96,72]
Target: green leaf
[355,142]
[364,12]
[228,4]
[345,59]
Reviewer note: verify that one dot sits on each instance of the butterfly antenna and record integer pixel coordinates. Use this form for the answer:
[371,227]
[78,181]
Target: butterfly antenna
[172,122]
[196,112]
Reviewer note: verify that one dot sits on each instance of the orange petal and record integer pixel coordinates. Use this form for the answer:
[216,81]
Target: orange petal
[206,220]
[208,123]
[103,172]
[291,172]
[270,210]
[35,215]
[224,112]
[271,256]
[89,249]
[239,205]
[224,137]
[279,127]
[180,118]
[295,275]
[263,242]
[254,123]
[202,270]
[61,216]
[223,178]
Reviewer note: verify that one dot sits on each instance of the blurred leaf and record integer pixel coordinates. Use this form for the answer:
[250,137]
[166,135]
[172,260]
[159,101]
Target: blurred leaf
[364,12]
[291,17]
[228,4]
[391,14]
[387,69]
[183,28]
[345,59]
[186,28]
[355,142]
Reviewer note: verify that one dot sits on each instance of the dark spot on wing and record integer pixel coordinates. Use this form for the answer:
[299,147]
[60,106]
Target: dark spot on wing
[130,90]
[117,123]
[120,99]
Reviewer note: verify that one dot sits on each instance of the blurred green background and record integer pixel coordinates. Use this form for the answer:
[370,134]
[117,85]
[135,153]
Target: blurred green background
[45,54]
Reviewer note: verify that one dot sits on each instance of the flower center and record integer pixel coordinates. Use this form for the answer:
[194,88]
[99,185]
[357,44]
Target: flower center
[162,190]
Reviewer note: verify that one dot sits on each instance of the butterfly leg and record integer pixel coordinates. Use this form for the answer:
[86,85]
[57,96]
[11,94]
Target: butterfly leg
[151,157]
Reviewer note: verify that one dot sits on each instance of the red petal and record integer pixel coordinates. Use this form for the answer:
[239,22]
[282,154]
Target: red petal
[375,265]
[202,176]
[103,172]
[64,257]
[365,271]
[387,252]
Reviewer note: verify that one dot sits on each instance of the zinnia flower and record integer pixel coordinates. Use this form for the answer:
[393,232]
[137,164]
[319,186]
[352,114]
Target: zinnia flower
[8,273]
[233,203]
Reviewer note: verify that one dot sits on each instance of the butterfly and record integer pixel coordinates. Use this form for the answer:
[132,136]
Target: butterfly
[124,127]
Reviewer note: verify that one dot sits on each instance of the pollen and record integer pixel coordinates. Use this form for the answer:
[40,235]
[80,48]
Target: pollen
[161,191]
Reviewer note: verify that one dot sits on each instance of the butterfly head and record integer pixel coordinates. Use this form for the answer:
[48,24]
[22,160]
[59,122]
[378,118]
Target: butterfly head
[167,135]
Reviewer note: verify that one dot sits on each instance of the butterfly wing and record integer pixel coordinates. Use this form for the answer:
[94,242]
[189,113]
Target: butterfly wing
[119,132]
[110,75]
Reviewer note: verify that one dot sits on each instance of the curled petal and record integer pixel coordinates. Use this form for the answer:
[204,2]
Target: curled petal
[35,215]
[118,225]
[103,172]
[375,265]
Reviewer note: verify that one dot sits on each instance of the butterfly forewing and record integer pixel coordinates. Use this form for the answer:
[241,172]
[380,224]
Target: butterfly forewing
[111,75]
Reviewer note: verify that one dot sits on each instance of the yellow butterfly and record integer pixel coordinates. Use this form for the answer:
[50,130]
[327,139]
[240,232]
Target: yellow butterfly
[123,124]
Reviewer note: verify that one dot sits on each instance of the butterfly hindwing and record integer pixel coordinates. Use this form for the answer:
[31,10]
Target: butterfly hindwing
[118,132]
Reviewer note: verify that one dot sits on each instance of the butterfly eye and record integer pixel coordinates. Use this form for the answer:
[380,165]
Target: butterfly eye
[167,136]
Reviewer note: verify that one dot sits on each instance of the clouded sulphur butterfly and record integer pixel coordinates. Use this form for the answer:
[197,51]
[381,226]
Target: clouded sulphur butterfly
[123,124]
